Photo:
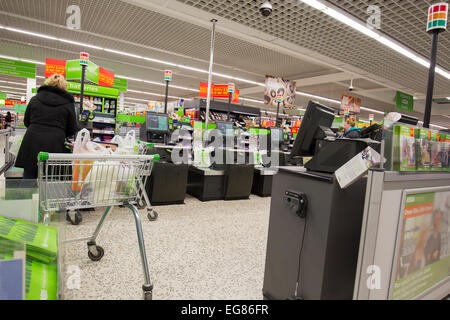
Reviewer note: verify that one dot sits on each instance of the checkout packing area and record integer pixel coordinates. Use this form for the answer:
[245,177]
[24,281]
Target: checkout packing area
[345,224]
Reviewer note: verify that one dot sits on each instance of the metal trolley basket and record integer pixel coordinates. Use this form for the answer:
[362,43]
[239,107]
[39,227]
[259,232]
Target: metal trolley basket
[77,181]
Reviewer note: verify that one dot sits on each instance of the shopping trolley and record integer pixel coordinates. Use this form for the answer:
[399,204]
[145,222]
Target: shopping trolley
[142,202]
[69,182]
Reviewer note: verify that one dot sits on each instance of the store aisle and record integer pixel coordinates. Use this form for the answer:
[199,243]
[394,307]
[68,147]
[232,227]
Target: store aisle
[212,250]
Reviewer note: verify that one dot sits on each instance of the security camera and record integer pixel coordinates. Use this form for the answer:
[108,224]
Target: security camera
[351,86]
[266,9]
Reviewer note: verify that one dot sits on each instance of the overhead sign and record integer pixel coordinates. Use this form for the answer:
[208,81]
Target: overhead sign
[105,78]
[350,106]
[437,17]
[17,68]
[75,87]
[404,102]
[218,91]
[275,86]
[55,66]
[371,117]
[120,84]
[168,75]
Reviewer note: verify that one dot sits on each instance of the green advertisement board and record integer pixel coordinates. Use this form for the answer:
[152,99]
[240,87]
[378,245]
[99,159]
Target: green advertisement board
[130,118]
[20,108]
[404,102]
[17,68]
[2,95]
[73,71]
[120,84]
[90,89]
[423,256]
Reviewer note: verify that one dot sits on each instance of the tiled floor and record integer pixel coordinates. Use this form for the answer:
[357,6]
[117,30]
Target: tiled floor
[200,250]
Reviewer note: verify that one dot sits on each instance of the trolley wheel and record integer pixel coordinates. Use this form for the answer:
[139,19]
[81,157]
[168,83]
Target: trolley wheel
[141,204]
[74,219]
[148,295]
[100,253]
[152,215]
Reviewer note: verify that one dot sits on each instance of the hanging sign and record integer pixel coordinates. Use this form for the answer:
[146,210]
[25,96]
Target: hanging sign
[168,75]
[404,102]
[105,78]
[218,91]
[120,84]
[84,58]
[350,106]
[17,68]
[437,17]
[55,66]
[231,88]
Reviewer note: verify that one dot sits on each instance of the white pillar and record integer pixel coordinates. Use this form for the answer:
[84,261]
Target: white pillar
[31,84]
[121,101]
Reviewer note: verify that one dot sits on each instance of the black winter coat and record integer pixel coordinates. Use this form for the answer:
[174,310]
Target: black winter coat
[50,118]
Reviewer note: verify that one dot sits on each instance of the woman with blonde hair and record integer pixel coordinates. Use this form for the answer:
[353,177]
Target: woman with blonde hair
[49,118]
[350,130]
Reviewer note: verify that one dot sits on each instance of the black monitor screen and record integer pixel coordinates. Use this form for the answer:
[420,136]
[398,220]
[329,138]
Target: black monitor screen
[157,122]
[316,115]
[225,128]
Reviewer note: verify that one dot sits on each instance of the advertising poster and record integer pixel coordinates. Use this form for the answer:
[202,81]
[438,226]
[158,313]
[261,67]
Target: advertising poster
[278,86]
[218,91]
[350,106]
[423,256]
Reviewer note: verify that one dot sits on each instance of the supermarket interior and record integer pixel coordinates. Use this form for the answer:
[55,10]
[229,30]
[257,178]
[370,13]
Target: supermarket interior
[224,150]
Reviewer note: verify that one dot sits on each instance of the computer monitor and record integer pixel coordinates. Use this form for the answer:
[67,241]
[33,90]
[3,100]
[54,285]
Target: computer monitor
[316,116]
[157,122]
[226,128]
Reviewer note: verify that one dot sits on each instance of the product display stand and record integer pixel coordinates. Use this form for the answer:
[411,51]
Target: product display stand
[383,243]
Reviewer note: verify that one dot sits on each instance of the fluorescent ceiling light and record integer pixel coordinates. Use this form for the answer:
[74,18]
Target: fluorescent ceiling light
[81,44]
[357,25]
[160,61]
[448,98]
[31,33]
[123,53]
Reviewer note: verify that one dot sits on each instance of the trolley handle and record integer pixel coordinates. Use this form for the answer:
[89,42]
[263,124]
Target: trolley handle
[43,156]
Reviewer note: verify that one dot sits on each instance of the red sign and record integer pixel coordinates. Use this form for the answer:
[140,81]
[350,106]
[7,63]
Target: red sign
[53,66]
[297,123]
[267,124]
[294,130]
[105,78]
[218,91]
[12,103]
[190,113]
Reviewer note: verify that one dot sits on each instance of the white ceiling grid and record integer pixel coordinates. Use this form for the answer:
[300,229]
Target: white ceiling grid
[298,23]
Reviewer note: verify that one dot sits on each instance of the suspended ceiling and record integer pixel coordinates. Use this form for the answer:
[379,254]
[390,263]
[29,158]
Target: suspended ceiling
[175,31]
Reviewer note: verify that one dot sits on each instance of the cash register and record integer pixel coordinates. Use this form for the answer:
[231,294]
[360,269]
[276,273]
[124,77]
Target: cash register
[314,224]
[155,128]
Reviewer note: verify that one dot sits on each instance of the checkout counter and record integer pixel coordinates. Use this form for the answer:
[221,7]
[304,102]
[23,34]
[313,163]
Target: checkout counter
[168,182]
[359,242]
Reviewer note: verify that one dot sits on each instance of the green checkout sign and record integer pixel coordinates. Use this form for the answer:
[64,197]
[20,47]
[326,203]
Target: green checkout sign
[404,102]
[17,68]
